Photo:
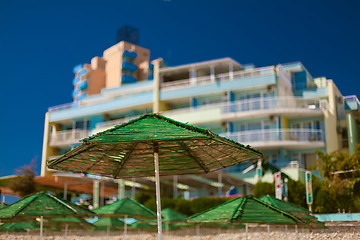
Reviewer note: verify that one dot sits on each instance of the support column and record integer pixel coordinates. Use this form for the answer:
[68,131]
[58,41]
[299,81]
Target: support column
[231,71]
[175,186]
[220,183]
[156,99]
[102,191]
[212,74]
[45,145]
[133,189]
[192,76]
[95,193]
[121,189]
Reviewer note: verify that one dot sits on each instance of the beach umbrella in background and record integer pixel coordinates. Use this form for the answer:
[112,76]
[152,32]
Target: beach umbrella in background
[245,210]
[19,226]
[171,216]
[41,205]
[68,223]
[124,208]
[154,145]
[108,224]
[143,226]
[300,212]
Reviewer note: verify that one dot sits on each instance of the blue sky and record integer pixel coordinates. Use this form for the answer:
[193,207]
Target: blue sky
[41,42]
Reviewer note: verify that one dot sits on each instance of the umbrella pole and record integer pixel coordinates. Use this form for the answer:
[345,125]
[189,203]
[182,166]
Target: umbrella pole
[66,229]
[41,227]
[198,231]
[125,226]
[296,231]
[246,231]
[286,232]
[268,230]
[157,186]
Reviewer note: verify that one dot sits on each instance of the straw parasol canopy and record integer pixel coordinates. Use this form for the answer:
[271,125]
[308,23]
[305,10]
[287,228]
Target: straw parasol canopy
[127,150]
[154,144]
[170,216]
[125,207]
[108,223]
[245,210]
[19,226]
[71,222]
[300,212]
[42,204]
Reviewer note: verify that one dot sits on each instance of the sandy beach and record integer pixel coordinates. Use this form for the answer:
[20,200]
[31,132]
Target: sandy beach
[333,232]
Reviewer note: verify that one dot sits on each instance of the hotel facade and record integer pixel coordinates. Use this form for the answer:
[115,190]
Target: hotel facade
[280,109]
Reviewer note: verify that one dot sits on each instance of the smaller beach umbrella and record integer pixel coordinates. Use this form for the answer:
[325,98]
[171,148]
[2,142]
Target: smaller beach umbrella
[171,216]
[143,226]
[124,208]
[19,226]
[245,210]
[108,224]
[68,223]
[300,212]
[42,204]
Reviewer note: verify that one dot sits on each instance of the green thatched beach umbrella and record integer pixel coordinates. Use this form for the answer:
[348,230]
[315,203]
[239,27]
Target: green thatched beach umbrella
[108,224]
[40,205]
[300,212]
[245,210]
[171,216]
[153,143]
[19,226]
[124,208]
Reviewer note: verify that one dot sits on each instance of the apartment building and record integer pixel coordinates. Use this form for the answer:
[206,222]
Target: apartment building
[280,109]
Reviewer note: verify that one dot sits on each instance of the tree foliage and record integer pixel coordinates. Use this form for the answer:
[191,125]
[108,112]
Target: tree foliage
[23,184]
[263,189]
[340,188]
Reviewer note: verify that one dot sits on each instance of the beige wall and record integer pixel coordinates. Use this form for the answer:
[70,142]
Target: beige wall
[332,137]
[113,58]
[96,82]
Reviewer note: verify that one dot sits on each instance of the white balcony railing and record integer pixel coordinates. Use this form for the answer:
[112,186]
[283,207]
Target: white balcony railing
[60,107]
[67,137]
[271,103]
[265,135]
[265,103]
[113,123]
[219,77]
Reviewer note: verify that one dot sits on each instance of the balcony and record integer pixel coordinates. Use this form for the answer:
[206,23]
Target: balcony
[351,103]
[250,108]
[262,107]
[65,138]
[271,138]
[197,81]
